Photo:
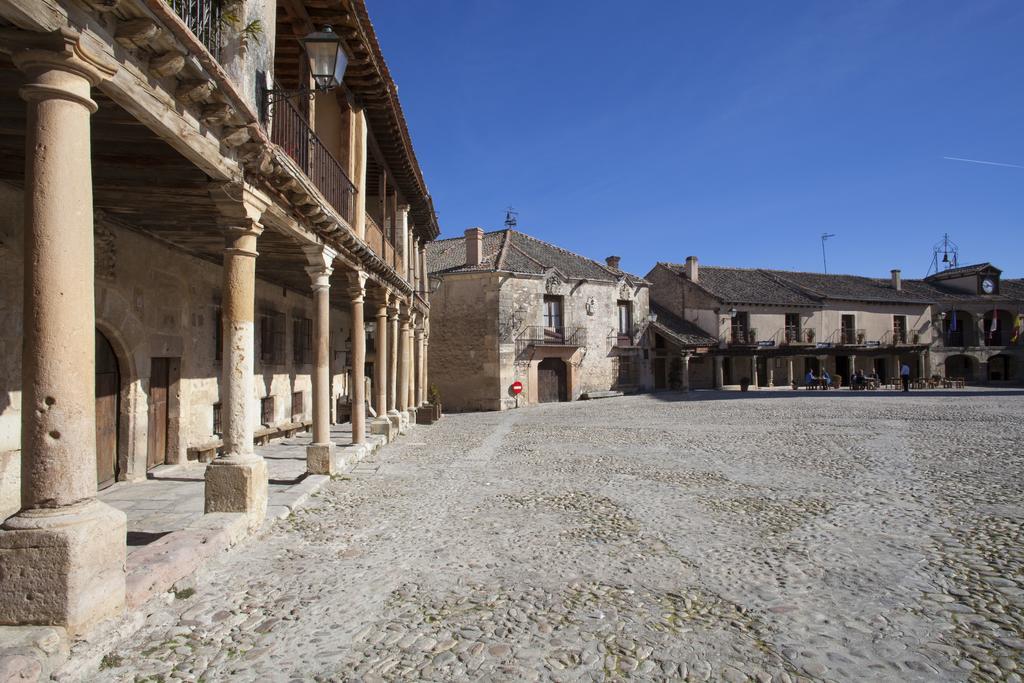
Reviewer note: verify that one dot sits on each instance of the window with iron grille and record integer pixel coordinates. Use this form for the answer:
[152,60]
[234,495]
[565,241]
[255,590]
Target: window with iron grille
[298,405]
[267,411]
[218,416]
[302,341]
[627,370]
[272,338]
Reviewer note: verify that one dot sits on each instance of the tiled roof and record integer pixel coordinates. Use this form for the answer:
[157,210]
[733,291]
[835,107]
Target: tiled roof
[791,288]
[961,271]
[746,286]
[1013,289]
[513,251]
[683,332]
[850,287]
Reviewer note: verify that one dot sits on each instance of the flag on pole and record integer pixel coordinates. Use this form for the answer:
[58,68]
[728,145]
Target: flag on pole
[1018,327]
[994,326]
[952,325]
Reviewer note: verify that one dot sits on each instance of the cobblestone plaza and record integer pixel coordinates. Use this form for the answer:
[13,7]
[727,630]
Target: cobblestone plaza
[771,536]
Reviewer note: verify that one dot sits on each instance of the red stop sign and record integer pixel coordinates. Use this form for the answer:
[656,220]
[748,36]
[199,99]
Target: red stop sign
[517,387]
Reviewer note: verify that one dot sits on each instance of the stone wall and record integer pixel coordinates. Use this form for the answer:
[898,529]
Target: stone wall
[592,306]
[463,359]
[152,301]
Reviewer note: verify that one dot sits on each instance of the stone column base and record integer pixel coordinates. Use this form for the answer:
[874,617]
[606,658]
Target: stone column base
[238,486]
[320,458]
[396,419]
[382,425]
[63,566]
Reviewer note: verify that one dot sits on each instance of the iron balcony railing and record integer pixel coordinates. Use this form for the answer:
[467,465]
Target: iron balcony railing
[793,335]
[205,18]
[539,335]
[290,130]
[742,337]
[848,336]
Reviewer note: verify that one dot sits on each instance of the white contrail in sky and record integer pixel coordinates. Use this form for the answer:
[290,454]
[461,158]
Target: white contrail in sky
[987,163]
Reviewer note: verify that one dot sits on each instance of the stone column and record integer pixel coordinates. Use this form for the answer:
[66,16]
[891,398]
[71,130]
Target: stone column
[719,373]
[418,364]
[393,413]
[411,366]
[403,360]
[685,366]
[236,481]
[853,369]
[789,371]
[770,364]
[753,372]
[424,276]
[922,364]
[382,423]
[63,554]
[422,398]
[320,453]
[357,394]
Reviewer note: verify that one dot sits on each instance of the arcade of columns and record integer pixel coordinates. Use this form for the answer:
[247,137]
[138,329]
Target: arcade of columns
[63,554]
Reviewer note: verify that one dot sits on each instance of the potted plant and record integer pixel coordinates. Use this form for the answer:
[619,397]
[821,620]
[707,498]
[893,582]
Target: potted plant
[860,337]
[434,399]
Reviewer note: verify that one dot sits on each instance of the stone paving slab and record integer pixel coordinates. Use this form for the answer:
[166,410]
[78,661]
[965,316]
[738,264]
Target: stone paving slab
[772,536]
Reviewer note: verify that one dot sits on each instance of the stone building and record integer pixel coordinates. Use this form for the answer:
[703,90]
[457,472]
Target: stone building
[506,307]
[773,326]
[206,208]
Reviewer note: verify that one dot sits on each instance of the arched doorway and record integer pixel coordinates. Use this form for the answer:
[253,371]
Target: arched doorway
[1000,368]
[108,387]
[551,381]
[960,367]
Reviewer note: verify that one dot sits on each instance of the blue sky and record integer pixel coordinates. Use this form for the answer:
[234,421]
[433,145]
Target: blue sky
[734,131]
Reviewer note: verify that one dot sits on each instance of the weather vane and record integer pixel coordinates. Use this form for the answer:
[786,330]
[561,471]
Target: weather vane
[511,217]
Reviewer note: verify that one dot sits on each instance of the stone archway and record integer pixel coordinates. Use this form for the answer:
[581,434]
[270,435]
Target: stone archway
[961,366]
[1001,368]
[960,329]
[130,428]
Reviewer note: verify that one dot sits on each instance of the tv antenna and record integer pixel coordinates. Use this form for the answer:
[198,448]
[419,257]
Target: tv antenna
[511,217]
[950,255]
[824,261]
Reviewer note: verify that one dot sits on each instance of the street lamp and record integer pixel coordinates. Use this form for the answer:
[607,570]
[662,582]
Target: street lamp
[327,63]
[327,60]
[733,312]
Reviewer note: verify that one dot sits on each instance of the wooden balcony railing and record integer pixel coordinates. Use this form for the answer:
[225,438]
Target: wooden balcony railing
[205,18]
[381,245]
[291,130]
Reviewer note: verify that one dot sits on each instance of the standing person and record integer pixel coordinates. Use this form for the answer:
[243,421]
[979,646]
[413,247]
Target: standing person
[905,376]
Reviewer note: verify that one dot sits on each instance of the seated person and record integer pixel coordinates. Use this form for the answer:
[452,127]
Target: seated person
[826,379]
[859,380]
[810,380]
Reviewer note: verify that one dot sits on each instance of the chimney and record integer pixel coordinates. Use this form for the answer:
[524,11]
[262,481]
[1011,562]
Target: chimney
[691,268]
[474,246]
[897,284]
[613,262]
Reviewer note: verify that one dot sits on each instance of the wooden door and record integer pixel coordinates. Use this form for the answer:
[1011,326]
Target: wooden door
[551,384]
[108,384]
[158,386]
[659,374]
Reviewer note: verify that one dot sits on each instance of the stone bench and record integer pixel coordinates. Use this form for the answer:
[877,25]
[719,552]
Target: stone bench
[205,452]
[592,395]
